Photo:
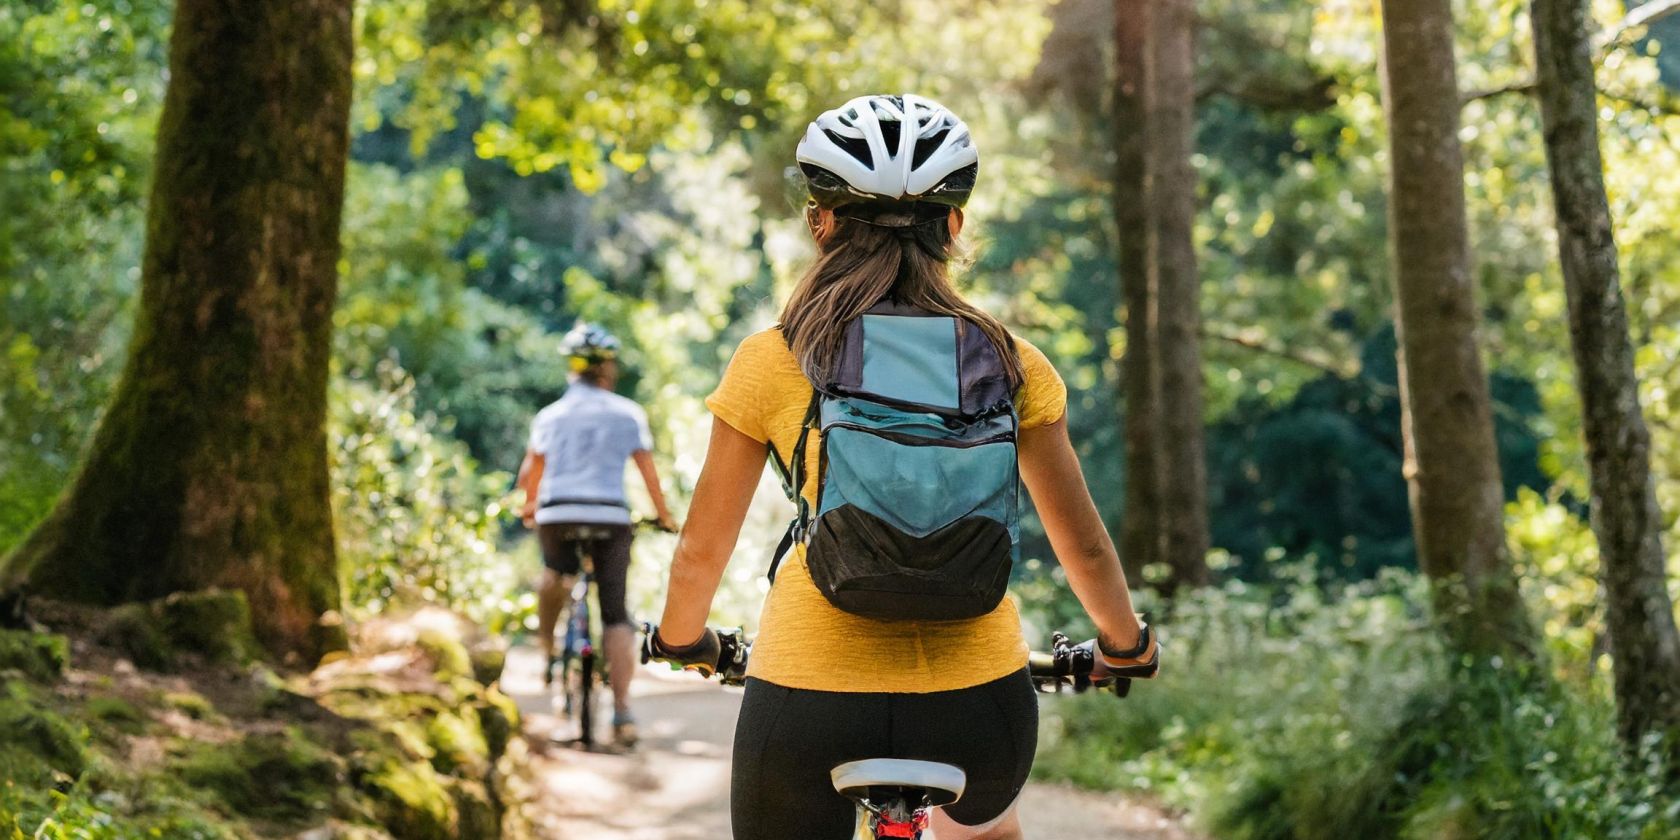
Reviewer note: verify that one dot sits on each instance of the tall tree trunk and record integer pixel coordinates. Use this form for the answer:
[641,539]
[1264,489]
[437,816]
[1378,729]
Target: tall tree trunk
[210,467]
[1625,518]
[1140,534]
[1452,464]
[1171,131]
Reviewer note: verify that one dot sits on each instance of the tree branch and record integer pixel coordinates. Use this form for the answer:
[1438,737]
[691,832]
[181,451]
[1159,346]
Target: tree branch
[1315,94]
[1259,344]
[1645,15]
[1524,87]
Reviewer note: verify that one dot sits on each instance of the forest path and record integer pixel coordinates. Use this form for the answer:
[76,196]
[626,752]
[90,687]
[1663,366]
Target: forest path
[675,785]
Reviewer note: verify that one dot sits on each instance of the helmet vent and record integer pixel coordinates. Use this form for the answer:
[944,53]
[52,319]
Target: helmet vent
[857,147]
[889,133]
[926,146]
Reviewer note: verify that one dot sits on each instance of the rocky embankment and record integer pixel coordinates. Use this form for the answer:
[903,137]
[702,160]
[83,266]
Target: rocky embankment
[160,720]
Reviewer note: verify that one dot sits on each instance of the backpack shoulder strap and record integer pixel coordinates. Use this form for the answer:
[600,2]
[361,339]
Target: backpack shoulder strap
[794,485]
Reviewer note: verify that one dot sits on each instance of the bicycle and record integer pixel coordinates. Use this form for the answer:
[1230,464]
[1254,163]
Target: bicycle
[580,667]
[895,797]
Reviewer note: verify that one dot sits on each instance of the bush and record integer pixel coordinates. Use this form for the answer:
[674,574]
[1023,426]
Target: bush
[1297,716]
[415,518]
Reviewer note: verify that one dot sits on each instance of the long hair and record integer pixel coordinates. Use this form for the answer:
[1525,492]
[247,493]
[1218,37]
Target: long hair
[860,265]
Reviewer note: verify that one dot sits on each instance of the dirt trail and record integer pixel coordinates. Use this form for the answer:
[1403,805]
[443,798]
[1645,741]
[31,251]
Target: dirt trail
[675,786]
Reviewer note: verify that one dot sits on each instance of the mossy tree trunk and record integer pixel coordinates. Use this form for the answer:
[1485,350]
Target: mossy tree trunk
[1452,466]
[1140,535]
[210,466]
[1625,516]
[1171,132]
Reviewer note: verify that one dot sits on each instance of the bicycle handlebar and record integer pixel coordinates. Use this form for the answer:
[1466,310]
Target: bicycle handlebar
[1068,665]
[1065,665]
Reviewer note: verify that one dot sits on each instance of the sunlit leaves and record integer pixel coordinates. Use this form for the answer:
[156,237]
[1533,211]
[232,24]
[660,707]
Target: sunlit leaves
[414,515]
[79,92]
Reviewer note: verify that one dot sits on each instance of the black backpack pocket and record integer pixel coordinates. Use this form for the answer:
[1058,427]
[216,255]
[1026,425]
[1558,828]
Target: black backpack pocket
[867,567]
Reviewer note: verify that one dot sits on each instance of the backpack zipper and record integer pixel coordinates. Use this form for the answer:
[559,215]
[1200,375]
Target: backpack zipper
[907,439]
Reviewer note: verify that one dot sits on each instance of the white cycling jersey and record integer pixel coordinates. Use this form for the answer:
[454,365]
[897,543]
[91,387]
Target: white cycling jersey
[585,438]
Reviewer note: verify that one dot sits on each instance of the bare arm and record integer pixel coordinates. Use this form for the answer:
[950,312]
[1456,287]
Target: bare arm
[530,479]
[733,465]
[1050,469]
[650,476]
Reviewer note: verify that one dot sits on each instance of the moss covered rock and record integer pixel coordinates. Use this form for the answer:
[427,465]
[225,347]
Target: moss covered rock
[39,656]
[115,713]
[458,743]
[133,630]
[448,655]
[214,622]
[411,800]
[498,717]
[190,703]
[488,659]
[478,815]
[38,741]
[277,776]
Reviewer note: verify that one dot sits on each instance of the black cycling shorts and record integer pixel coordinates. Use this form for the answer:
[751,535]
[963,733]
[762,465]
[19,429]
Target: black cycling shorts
[564,545]
[787,740]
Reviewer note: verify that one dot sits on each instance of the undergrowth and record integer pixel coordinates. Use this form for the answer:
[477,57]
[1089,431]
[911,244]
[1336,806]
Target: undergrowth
[1292,714]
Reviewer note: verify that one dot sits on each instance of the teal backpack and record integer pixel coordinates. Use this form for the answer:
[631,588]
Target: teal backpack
[918,484]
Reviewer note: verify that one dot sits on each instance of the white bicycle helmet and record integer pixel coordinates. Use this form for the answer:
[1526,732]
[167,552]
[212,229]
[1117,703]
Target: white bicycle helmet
[893,148]
[588,343]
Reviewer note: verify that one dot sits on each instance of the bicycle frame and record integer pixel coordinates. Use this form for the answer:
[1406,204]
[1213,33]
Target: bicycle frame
[579,646]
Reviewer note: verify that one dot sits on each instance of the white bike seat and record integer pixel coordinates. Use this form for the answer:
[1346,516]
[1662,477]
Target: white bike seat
[944,783]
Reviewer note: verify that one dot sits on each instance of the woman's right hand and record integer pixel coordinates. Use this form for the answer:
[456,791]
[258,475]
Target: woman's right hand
[700,657]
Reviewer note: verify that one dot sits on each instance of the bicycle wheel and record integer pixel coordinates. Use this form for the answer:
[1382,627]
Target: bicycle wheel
[566,668]
[580,698]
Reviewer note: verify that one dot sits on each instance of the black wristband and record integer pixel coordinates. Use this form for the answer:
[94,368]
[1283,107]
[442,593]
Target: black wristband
[1141,648]
[666,649]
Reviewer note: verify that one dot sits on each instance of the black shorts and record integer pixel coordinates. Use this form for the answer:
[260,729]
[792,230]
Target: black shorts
[564,545]
[787,740]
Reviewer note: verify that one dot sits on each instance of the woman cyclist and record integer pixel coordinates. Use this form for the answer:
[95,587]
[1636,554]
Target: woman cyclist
[888,177]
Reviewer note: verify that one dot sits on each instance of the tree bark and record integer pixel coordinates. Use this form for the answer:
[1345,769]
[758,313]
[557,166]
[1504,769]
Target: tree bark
[1452,465]
[1625,518]
[1171,129]
[1140,530]
[210,467]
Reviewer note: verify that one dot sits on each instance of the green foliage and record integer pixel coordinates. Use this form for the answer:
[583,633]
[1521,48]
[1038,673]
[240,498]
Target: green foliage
[414,516]
[1341,726]
[41,746]
[38,656]
[81,93]
[1286,715]
[82,814]
[1319,474]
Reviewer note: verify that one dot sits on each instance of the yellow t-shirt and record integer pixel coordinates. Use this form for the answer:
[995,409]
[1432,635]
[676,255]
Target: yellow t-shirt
[806,642]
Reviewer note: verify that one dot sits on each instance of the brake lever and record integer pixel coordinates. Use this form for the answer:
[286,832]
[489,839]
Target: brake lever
[732,661]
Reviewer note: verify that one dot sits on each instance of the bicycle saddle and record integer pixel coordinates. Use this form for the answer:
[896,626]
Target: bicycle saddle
[942,783]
